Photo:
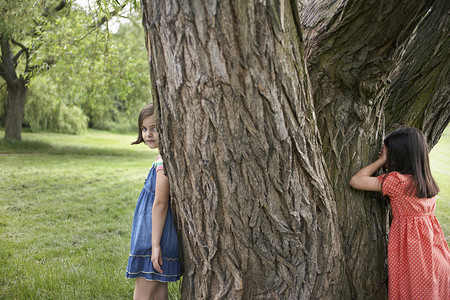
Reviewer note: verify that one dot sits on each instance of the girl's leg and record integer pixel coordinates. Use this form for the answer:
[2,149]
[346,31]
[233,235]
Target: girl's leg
[162,291]
[145,289]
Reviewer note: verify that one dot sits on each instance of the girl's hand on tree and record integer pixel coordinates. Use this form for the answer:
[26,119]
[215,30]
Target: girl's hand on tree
[364,179]
[382,155]
[157,258]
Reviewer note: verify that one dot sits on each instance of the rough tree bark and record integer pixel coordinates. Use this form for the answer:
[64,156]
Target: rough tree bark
[419,92]
[266,109]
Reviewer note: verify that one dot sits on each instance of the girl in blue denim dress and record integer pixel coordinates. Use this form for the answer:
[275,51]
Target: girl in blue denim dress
[153,259]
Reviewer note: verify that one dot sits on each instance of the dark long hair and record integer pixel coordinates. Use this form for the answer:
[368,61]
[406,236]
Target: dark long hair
[147,111]
[408,154]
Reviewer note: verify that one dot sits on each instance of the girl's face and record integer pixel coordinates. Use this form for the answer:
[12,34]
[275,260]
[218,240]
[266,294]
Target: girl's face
[149,133]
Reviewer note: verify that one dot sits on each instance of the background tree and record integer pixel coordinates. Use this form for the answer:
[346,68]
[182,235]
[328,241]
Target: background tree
[34,36]
[266,109]
[15,65]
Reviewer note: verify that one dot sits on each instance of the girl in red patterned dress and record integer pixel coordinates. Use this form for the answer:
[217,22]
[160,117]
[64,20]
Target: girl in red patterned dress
[418,254]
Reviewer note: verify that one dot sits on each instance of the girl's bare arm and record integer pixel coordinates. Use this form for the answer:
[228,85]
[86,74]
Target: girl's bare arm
[159,213]
[363,179]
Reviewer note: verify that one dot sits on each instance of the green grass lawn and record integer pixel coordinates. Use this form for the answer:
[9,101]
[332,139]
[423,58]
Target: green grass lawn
[66,208]
[440,167]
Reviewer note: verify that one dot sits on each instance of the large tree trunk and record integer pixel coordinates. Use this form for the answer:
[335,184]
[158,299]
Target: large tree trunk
[361,56]
[266,108]
[14,110]
[252,193]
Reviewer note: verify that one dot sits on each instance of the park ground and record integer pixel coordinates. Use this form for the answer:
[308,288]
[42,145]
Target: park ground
[66,209]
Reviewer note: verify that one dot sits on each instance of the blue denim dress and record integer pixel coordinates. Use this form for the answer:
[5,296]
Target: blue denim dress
[139,261]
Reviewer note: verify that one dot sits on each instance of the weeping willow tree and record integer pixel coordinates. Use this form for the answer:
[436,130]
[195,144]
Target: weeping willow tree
[20,24]
[36,35]
[266,109]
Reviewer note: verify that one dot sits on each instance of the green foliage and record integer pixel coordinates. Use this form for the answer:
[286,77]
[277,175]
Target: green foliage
[440,162]
[122,123]
[22,27]
[105,74]
[21,12]
[55,115]
[81,65]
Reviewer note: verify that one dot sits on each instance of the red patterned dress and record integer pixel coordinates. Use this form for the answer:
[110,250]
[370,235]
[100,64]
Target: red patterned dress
[418,254]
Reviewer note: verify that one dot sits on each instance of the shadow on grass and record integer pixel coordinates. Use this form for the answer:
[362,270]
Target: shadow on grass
[39,147]
[13,146]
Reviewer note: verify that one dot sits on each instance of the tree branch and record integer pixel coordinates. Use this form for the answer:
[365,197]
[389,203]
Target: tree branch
[110,15]
[18,55]
[7,70]
[59,7]
[103,20]
[417,96]
[24,49]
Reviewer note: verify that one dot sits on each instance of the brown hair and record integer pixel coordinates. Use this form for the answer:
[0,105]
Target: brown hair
[147,111]
[408,154]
